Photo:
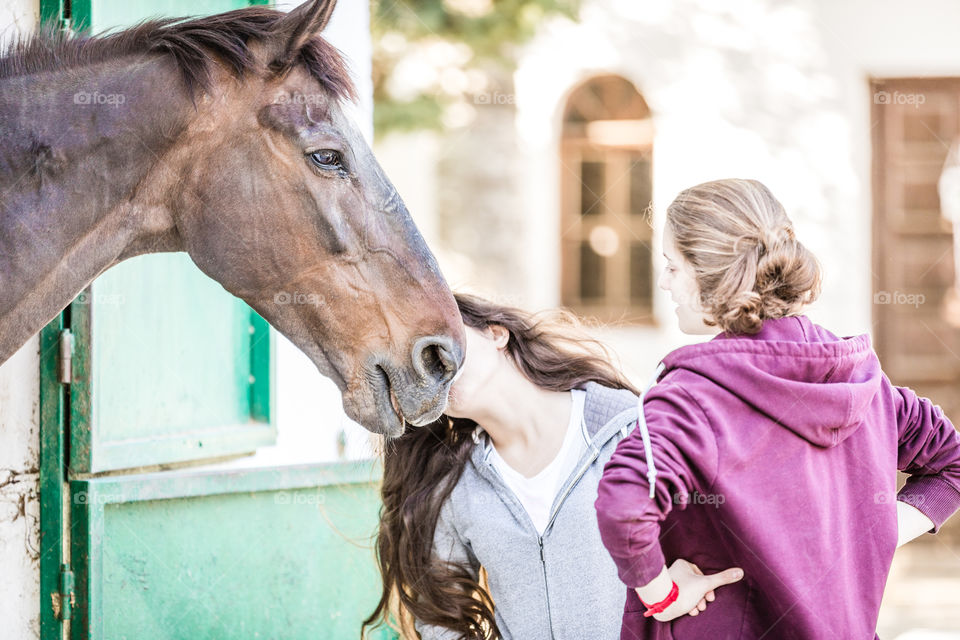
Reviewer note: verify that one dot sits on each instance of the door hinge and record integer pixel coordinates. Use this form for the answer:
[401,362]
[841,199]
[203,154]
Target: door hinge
[64,601]
[66,356]
[66,16]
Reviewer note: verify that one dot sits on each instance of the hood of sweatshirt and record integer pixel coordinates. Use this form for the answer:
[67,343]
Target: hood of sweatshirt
[796,373]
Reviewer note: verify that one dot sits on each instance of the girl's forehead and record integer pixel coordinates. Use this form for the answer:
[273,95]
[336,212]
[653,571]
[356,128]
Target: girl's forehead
[669,250]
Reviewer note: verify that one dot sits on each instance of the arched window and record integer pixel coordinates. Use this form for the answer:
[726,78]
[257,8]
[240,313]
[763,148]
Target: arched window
[605,177]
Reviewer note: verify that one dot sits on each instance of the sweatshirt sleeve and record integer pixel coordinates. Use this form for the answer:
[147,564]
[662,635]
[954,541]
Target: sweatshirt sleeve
[929,450]
[447,547]
[685,457]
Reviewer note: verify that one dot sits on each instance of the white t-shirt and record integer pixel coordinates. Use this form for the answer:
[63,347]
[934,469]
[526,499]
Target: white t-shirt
[537,493]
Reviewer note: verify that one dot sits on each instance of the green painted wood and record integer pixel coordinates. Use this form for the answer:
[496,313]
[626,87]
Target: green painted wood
[158,328]
[262,367]
[86,560]
[263,553]
[192,483]
[79,14]
[51,477]
[176,369]
[210,401]
[81,424]
[51,11]
[101,15]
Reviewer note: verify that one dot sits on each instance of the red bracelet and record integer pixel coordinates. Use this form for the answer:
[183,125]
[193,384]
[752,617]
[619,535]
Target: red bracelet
[653,609]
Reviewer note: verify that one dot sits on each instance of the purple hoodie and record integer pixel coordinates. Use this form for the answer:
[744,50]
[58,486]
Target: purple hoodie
[776,453]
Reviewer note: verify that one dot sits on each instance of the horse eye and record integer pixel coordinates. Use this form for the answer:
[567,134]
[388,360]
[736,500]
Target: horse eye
[327,159]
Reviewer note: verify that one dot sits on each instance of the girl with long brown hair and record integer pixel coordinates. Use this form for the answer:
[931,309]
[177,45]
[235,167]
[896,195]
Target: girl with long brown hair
[505,481]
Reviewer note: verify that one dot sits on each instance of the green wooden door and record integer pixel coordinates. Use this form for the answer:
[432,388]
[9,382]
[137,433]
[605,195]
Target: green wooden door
[167,371]
[282,553]
[168,368]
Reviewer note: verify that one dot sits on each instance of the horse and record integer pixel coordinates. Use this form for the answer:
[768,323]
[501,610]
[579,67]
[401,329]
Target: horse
[225,137]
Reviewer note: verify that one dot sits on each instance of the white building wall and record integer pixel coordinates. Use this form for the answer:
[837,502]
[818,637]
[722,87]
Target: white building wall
[17,16]
[19,493]
[776,91]
[20,445]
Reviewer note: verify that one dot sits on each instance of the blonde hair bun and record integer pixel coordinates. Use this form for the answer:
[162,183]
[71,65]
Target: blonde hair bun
[747,261]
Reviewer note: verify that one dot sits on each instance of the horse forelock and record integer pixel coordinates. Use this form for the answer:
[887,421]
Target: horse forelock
[194,44]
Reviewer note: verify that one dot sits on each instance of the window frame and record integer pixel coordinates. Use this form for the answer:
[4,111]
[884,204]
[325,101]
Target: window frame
[632,227]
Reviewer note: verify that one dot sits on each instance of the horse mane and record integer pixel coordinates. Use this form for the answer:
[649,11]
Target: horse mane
[195,44]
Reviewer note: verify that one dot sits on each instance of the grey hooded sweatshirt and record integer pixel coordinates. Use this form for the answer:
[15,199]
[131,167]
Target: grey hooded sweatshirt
[563,585]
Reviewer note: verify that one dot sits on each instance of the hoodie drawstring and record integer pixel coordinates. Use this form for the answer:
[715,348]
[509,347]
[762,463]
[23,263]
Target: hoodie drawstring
[645,433]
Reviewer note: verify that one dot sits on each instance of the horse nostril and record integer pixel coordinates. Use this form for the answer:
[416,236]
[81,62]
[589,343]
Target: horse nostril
[435,359]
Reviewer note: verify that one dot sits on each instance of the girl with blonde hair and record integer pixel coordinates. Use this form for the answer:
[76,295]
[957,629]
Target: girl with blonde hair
[772,447]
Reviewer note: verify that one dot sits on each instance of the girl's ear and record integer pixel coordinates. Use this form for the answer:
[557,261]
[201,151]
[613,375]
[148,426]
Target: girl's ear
[500,335]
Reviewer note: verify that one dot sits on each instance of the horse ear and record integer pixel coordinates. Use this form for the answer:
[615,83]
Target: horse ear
[296,28]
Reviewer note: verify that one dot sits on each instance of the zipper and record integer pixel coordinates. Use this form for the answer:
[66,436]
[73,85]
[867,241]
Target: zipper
[546,586]
[543,563]
[583,469]
[553,515]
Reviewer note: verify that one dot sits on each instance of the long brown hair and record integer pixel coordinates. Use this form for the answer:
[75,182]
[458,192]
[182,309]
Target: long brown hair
[748,263]
[421,468]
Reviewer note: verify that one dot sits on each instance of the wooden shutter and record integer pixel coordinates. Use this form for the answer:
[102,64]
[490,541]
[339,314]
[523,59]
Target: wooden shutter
[915,121]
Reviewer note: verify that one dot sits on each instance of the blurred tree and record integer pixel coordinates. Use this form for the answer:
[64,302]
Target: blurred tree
[434,59]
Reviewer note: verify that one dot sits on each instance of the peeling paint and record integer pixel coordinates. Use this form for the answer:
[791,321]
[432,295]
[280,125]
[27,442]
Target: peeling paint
[19,492]
[20,498]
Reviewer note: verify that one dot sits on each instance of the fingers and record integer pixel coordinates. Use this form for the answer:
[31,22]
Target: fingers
[701,606]
[705,584]
[724,577]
